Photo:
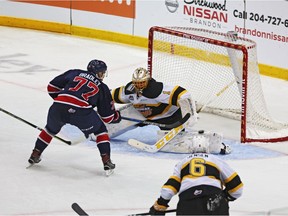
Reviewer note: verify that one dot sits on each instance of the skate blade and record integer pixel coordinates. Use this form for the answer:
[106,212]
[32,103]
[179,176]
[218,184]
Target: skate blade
[30,165]
[109,172]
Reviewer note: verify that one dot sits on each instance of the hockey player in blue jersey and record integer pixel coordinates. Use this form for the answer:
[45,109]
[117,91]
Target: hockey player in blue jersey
[76,93]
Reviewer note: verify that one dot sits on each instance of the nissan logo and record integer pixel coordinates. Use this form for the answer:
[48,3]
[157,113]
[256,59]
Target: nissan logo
[172,5]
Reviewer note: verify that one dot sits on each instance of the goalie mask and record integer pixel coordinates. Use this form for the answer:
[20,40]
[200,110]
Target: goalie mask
[198,143]
[140,79]
[98,67]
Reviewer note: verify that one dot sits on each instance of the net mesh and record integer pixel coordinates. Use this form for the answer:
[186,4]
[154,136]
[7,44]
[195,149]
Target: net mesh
[213,67]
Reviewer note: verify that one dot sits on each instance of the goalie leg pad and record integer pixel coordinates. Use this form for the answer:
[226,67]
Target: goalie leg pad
[178,144]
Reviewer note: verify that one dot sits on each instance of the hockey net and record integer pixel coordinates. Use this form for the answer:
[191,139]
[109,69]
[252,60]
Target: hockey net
[221,72]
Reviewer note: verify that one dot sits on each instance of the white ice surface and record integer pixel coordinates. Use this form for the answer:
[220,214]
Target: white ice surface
[29,60]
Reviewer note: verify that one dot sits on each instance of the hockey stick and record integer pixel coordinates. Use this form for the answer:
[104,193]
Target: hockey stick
[125,107]
[35,126]
[147,213]
[78,209]
[214,97]
[163,141]
[168,126]
[232,36]
[81,212]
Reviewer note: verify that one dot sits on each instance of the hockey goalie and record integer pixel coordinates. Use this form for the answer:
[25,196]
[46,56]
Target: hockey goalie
[163,105]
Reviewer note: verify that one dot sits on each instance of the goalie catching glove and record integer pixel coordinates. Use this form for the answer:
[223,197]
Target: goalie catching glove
[117,117]
[159,207]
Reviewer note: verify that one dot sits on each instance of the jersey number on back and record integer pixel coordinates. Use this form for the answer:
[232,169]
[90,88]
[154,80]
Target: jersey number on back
[197,167]
[81,82]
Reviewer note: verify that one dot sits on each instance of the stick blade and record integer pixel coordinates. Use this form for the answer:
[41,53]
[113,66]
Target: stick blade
[142,146]
[163,141]
[78,209]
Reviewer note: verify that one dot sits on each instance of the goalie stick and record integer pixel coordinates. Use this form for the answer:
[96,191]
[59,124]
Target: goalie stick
[163,141]
[35,126]
[214,97]
[232,36]
[168,126]
[124,107]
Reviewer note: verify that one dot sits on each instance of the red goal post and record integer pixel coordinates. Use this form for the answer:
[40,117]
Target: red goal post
[221,72]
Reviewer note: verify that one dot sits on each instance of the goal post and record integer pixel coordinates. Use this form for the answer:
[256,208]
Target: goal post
[221,72]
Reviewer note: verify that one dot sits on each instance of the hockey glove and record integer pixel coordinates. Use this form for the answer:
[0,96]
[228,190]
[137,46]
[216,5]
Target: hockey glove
[159,207]
[117,117]
[214,201]
[226,149]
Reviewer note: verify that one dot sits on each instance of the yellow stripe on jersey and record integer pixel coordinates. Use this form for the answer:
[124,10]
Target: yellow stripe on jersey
[176,94]
[194,177]
[175,191]
[236,188]
[173,183]
[233,183]
[230,178]
[116,94]
[172,97]
[184,165]
[113,94]
[176,178]
[180,95]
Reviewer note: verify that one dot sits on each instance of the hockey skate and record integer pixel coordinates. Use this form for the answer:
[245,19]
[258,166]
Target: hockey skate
[226,149]
[108,165]
[34,158]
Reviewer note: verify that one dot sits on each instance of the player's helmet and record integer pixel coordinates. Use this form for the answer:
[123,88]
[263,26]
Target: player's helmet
[98,67]
[140,79]
[200,144]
